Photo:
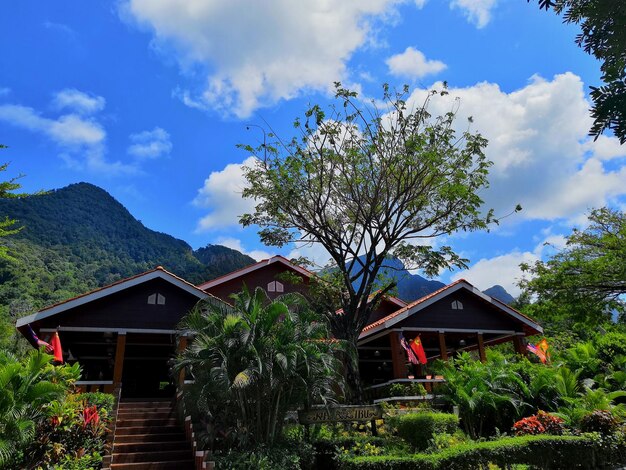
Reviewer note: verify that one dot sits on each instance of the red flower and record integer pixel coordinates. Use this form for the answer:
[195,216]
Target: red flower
[55,421]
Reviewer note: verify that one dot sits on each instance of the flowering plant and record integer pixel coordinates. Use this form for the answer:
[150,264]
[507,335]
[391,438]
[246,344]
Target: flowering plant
[541,423]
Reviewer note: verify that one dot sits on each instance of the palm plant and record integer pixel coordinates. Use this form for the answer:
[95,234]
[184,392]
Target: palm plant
[253,361]
[25,386]
[488,395]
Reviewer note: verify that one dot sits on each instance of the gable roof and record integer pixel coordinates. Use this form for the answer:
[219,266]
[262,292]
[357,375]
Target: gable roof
[419,304]
[157,273]
[253,267]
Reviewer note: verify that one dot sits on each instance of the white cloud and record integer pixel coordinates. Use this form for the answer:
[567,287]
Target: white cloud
[606,148]
[543,158]
[413,63]
[235,244]
[503,270]
[221,193]
[476,11]
[81,139]
[148,145]
[78,101]
[67,130]
[257,53]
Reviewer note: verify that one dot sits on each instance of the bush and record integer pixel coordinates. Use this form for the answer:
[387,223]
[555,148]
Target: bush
[546,452]
[610,346]
[444,440]
[600,421]
[541,423]
[99,400]
[283,457]
[418,428]
[407,390]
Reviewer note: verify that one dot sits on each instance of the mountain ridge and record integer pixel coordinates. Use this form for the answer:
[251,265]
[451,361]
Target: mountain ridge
[79,237]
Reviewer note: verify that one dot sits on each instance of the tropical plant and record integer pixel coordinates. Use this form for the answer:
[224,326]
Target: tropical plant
[489,395]
[253,361]
[25,387]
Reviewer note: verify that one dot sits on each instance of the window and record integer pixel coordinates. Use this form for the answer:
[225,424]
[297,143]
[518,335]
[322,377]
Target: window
[456,305]
[275,286]
[156,299]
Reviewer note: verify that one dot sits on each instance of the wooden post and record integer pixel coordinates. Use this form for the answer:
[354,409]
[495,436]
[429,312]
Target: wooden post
[481,347]
[120,350]
[518,342]
[182,345]
[397,356]
[443,350]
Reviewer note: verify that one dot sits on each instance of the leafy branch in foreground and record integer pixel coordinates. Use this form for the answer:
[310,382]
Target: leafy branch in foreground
[603,35]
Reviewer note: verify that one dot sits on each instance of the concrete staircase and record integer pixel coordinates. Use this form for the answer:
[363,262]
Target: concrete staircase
[148,437]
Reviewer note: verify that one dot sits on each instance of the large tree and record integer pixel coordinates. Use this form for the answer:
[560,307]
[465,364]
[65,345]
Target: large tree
[367,182]
[603,35]
[590,272]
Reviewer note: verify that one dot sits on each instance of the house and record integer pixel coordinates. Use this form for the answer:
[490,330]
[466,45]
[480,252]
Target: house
[126,332]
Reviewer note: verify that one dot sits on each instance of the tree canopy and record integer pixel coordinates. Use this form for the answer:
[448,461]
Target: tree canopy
[603,35]
[368,183]
[590,273]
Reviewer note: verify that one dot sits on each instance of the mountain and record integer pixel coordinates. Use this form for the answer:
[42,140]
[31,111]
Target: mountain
[411,287]
[79,237]
[500,293]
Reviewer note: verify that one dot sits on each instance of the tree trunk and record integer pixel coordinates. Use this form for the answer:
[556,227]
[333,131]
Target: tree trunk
[354,391]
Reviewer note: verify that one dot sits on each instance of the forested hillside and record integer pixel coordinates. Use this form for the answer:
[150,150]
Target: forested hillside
[78,238]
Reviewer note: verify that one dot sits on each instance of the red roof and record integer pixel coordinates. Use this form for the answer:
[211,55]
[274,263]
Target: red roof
[412,304]
[246,269]
[408,307]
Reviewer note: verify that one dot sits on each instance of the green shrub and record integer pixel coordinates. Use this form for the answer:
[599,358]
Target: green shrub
[610,346]
[284,457]
[406,390]
[546,452]
[601,421]
[444,440]
[418,428]
[99,400]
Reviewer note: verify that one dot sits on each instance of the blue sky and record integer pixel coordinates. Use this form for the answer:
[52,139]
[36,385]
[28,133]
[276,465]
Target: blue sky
[148,99]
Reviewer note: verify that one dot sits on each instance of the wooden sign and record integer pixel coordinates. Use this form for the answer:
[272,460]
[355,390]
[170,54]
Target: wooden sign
[340,413]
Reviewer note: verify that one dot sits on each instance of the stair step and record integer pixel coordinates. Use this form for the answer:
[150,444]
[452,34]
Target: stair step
[133,447]
[131,430]
[124,422]
[146,404]
[156,456]
[176,465]
[134,414]
[143,437]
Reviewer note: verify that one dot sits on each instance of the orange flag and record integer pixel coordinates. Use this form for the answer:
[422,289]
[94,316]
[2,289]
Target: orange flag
[56,348]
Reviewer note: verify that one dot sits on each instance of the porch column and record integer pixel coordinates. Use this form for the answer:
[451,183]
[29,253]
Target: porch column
[443,350]
[397,356]
[518,342]
[120,350]
[481,348]
[182,345]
